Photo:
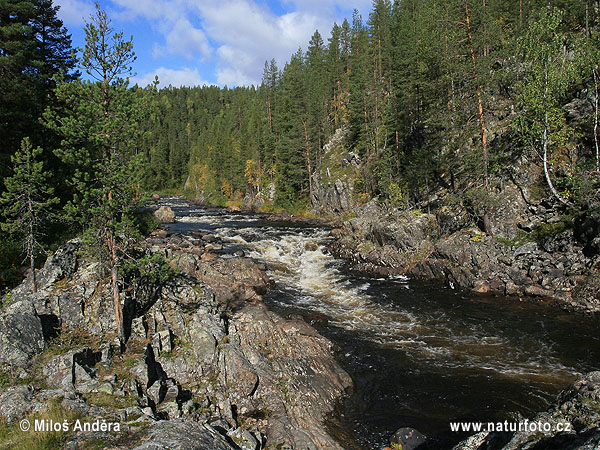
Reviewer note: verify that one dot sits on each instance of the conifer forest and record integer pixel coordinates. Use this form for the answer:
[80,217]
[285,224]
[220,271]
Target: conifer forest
[422,94]
[397,227]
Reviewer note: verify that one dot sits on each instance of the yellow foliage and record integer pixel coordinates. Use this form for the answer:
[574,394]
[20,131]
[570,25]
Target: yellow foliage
[363,197]
[200,176]
[478,238]
[396,196]
[253,173]
[226,189]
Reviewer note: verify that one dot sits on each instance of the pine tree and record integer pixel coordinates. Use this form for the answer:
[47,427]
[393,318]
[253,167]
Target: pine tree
[101,133]
[27,201]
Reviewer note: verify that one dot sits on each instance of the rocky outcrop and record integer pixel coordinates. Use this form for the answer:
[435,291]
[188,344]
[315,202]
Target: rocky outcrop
[547,262]
[180,435]
[572,423]
[61,265]
[333,186]
[385,242]
[164,214]
[253,201]
[21,334]
[207,365]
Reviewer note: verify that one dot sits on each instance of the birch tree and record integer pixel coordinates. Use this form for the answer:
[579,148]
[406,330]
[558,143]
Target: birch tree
[549,70]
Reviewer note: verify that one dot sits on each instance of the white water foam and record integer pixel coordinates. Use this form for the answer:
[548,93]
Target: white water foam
[299,261]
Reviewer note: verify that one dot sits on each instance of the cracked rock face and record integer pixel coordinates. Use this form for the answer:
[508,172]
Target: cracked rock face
[207,364]
[179,435]
[543,265]
[21,334]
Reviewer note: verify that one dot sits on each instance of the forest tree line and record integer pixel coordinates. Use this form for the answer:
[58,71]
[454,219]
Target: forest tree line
[426,94]
[431,93]
[73,145]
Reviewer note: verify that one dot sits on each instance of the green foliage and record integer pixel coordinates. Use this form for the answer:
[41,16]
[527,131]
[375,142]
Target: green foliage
[406,83]
[548,75]
[548,230]
[11,255]
[110,400]
[145,222]
[28,196]
[396,196]
[5,377]
[521,238]
[100,129]
[152,268]
[35,47]
[405,86]
[27,201]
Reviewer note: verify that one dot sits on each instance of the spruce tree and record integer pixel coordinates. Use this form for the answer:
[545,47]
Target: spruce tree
[34,46]
[27,201]
[53,43]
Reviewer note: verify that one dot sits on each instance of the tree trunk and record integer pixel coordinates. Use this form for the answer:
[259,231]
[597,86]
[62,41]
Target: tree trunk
[486,48]
[587,18]
[114,275]
[31,252]
[545,149]
[480,111]
[596,120]
[33,279]
[520,14]
[546,170]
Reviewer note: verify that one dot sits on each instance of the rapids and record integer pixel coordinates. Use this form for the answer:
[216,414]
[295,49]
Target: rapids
[420,354]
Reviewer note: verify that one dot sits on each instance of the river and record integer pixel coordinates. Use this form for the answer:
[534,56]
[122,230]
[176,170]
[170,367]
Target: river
[421,354]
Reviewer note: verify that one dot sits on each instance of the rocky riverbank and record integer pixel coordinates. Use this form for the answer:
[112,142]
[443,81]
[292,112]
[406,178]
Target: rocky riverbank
[207,365]
[550,263]
[570,424]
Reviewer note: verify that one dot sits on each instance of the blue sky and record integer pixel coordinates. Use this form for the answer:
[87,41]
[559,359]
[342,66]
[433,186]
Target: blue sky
[221,42]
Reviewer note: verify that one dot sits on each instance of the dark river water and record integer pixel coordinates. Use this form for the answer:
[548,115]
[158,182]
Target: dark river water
[421,355]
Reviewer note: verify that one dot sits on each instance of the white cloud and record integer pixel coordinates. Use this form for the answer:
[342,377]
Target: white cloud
[231,76]
[173,77]
[187,41]
[249,35]
[74,12]
[235,37]
[330,6]
[150,9]
[172,20]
